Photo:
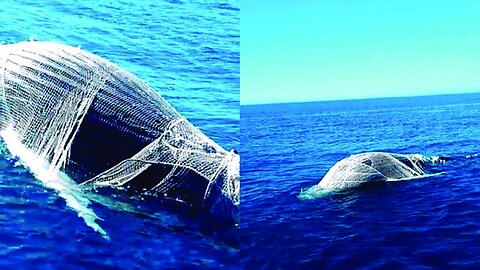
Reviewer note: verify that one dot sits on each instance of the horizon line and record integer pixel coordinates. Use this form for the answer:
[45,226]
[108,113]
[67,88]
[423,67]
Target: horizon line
[354,99]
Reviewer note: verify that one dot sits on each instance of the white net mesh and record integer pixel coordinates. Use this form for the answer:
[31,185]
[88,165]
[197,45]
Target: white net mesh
[84,114]
[370,167]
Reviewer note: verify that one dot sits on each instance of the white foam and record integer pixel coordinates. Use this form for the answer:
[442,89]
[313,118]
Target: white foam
[54,179]
[471,156]
[317,191]
[314,192]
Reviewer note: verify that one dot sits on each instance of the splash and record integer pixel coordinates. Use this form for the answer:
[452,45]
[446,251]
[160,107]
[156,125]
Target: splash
[52,178]
[315,192]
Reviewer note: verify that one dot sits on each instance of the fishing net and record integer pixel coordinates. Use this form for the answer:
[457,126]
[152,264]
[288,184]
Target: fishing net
[370,167]
[89,118]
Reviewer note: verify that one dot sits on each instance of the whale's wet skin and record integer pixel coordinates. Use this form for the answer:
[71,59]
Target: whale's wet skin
[73,117]
[363,168]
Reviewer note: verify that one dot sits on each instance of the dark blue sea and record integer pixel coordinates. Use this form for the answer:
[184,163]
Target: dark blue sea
[428,223]
[188,51]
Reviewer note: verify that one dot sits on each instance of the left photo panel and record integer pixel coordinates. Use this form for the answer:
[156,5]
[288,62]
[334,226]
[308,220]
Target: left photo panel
[119,130]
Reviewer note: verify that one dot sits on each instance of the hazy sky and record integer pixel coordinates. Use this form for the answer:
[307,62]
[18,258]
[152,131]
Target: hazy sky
[343,49]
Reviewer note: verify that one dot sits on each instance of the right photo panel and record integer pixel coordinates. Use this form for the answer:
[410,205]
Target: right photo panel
[359,134]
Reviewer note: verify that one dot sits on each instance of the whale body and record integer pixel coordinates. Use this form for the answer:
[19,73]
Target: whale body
[104,127]
[373,167]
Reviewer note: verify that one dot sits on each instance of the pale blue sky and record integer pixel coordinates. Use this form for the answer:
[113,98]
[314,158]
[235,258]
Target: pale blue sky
[344,49]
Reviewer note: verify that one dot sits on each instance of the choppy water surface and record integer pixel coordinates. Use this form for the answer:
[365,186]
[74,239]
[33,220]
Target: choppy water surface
[186,50]
[429,223]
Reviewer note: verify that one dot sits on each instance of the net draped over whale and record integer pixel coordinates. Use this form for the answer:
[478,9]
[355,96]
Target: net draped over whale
[373,166]
[105,127]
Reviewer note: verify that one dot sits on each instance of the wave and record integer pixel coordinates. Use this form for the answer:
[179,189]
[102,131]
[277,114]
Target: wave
[66,188]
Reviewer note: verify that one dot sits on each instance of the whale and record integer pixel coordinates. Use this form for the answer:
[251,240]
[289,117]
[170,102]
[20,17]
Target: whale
[88,118]
[368,167]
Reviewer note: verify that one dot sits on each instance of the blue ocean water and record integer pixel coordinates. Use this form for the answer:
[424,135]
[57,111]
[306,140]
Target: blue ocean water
[429,223]
[186,50]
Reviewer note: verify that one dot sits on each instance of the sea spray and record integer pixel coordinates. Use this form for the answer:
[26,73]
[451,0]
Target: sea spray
[54,179]
[314,192]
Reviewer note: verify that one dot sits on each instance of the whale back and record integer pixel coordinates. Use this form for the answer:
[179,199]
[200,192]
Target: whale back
[86,116]
[370,167]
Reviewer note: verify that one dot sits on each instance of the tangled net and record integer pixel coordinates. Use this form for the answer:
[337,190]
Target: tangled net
[370,167]
[105,127]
